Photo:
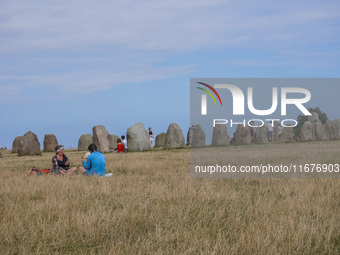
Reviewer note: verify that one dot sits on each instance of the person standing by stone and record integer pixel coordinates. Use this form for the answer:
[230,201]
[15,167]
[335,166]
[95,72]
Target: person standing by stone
[61,163]
[252,133]
[279,129]
[124,142]
[270,128]
[151,137]
[95,162]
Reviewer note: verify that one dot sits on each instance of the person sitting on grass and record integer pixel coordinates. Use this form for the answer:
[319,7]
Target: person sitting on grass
[60,163]
[124,142]
[120,146]
[95,162]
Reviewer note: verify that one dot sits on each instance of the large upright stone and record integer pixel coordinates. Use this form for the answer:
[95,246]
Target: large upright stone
[113,141]
[320,131]
[174,137]
[29,145]
[101,138]
[220,135]
[318,128]
[242,135]
[50,142]
[261,134]
[1,155]
[337,124]
[331,130]
[138,138]
[160,140]
[287,134]
[15,144]
[84,142]
[314,117]
[307,131]
[190,134]
[198,139]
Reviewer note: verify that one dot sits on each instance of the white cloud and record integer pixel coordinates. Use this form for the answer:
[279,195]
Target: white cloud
[155,25]
[84,45]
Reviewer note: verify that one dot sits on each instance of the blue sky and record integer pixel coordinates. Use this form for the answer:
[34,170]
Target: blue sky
[66,66]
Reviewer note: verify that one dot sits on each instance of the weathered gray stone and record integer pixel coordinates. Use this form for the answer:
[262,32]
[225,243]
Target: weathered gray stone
[287,134]
[198,139]
[314,117]
[337,124]
[261,134]
[50,142]
[29,145]
[113,141]
[242,135]
[16,144]
[190,134]
[220,135]
[160,140]
[174,137]
[138,138]
[319,131]
[101,138]
[307,131]
[331,130]
[84,142]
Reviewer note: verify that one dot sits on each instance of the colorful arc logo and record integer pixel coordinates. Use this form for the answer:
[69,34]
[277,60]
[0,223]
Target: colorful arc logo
[209,93]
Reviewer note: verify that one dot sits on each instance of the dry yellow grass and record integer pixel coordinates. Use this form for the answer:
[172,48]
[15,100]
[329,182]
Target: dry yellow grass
[151,206]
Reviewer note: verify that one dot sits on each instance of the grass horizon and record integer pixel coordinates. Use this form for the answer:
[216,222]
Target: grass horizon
[151,205]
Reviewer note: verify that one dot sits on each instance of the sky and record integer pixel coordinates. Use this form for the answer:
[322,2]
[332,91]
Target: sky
[66,66]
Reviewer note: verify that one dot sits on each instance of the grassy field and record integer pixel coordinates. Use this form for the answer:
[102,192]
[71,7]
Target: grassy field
[152,206]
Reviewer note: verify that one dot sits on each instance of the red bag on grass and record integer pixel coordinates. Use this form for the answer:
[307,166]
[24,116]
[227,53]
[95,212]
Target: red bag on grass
[36,171]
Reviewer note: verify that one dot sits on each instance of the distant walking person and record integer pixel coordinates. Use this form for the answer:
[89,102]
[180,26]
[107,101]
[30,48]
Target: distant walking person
[95,162]
[61,163]
[151,137]
[270,127]
[124,142]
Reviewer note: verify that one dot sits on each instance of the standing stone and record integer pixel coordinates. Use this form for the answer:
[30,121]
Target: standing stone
[174,137]
[1,155]
[307,131]
[138,138]
[318,127]
[190,134]
[198,139]
[314,117]
[261,134]
[220,135]
[287,134]
[320,131]
[160,140]
[29,145]
[331,130]
[242,135]
[337,124]
[101,138]
[16,144]
[84,142]
[50,142]
[113,141]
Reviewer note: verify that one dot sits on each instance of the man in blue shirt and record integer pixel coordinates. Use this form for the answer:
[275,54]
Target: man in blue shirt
[95,163]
